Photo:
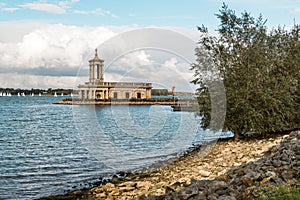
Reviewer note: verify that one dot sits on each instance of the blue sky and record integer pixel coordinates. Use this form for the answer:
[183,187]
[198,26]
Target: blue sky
[180,13]
[44,43]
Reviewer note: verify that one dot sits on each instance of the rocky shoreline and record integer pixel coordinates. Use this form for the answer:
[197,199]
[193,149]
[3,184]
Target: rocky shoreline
[223,170]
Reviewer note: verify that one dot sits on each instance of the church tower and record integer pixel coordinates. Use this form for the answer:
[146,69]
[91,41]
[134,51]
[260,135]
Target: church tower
[97,89]
[96,69]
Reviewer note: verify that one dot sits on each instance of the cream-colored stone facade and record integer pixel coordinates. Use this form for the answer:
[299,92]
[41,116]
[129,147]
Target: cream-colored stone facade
[98,89]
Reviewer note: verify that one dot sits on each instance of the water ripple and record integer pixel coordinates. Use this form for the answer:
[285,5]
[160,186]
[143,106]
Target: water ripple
[47,149]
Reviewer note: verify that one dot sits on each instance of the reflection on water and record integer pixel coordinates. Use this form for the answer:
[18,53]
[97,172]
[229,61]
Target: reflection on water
[132,133]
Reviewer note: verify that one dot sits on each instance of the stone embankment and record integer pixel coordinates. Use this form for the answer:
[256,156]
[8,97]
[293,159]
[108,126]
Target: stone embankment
[280,165]
[149,102]
[222,170]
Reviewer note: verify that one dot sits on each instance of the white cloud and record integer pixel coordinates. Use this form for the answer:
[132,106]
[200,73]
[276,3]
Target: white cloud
[171,63]
[13,32]
[98,11]
[295,10]
[83,12]
[51,55]
[52,47]
[130,62]
[164,70]
[67,4]
[59,8]
[25,81]
[10,9]
[143,57]
[50,8]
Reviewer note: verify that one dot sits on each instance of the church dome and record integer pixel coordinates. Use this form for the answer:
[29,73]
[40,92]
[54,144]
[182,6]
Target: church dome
[96,58]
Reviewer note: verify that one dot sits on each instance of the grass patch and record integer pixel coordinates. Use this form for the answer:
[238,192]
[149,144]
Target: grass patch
[290,191]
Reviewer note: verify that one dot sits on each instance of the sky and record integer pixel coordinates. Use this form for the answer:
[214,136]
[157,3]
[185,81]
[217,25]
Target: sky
[47,43]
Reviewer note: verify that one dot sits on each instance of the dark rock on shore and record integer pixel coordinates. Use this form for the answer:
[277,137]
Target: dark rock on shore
[280,165]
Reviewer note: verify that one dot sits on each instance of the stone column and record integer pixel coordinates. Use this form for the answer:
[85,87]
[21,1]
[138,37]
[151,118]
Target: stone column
[85,95]
[148,93]
[101,72]
[91,73]
[80,94]
[90,94]
[98,71]
[94,72]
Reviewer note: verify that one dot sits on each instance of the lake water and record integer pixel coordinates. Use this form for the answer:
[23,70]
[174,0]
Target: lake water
[48,149]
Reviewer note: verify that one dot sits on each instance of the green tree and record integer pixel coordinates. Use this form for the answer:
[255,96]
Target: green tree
[259,69]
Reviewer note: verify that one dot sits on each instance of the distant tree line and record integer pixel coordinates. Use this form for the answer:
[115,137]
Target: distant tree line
[48,91]
[159,92]
[165,92]
[259,69]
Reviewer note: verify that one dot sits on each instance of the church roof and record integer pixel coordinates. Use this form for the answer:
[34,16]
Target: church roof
[96,59]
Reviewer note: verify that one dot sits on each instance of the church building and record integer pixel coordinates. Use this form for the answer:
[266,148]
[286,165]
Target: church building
[98,89]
